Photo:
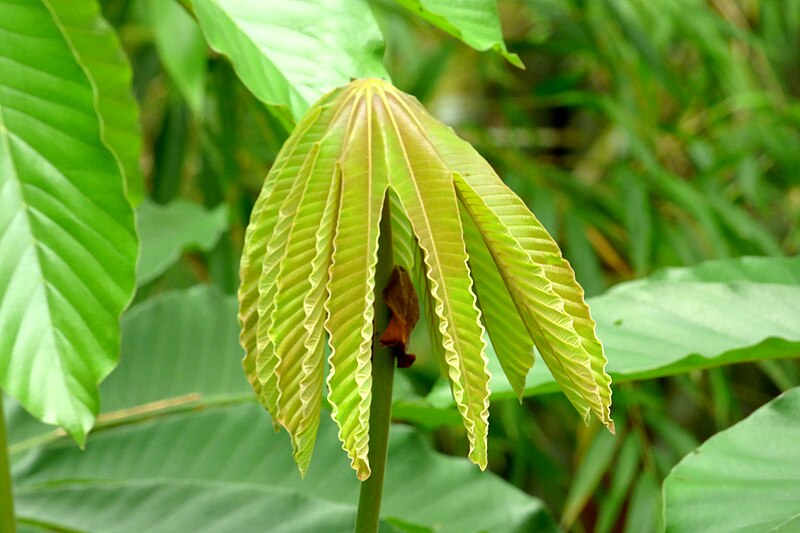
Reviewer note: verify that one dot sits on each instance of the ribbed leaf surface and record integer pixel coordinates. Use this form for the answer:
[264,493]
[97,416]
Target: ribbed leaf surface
[425,189]
[67,238]
[295,327]
[512,343]
[262,224]
[352,285]
[588,390]
[311,254]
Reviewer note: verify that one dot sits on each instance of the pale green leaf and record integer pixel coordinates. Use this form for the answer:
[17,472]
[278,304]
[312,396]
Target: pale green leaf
[351,288]
[296,324]
[182,49]
[291,53]
[476,22]
[542,286]
[166,230]
[425,189]
[99,52]
[510,339]
[682,319]
[552,307]
[67,235]
[263,219]
[746,478]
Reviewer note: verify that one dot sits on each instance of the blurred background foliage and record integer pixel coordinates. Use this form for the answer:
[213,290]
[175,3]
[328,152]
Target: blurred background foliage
[643,133]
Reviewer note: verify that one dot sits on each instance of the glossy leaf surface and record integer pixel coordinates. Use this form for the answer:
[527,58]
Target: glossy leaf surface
[291,53]
[476,22]
[67,235]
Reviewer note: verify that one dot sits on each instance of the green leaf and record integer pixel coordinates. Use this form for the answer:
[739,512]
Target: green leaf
[67,233]
[97,49]
[263,220]
[424,187]
[175,442]
[681,319]
[165,231]
[476,22]
[182,49]
[351,288]
[291,53]
[384,151]
[746,478]
[510,340]
[186,460]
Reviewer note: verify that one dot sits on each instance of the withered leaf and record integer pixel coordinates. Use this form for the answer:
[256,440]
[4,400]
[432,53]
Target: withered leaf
[401,299]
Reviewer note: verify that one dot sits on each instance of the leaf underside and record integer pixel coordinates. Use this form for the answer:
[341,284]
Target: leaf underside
[311,252]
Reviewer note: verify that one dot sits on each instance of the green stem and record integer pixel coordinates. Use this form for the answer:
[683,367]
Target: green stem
[380,417]
[7,522]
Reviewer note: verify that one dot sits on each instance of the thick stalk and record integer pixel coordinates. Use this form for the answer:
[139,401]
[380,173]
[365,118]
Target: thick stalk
[7,522]
[380,417]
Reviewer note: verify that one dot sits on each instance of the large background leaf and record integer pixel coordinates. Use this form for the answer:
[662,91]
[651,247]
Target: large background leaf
[476,22]
[66,230]
[179,420]
[679,320]
[291,53]
[165,231]
[746,478]
[96,47]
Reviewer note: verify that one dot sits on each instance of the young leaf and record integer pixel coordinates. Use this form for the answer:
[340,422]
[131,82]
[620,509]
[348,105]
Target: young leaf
[67,237]
[381,152]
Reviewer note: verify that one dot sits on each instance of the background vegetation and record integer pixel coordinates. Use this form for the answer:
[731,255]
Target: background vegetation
[644,134]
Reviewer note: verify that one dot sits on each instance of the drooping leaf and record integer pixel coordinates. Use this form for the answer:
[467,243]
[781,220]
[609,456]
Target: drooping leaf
[172,423]
[67,233]
[389,155]
[426,193]
[263,219]
[291,53]
[165,231]
[181,48]
[683,319]
[351,288]
[476,22]
[553,311]
[746,478]
[511,341]
[296,325]
[97,48]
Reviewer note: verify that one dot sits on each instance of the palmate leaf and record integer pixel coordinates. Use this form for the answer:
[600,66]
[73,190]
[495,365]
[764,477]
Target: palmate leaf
[67,238]
[311,252]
